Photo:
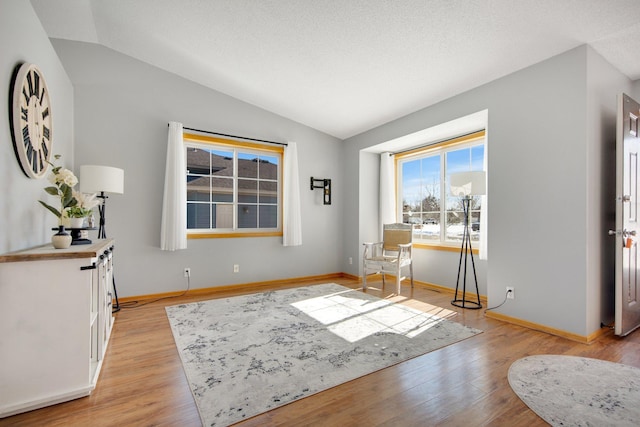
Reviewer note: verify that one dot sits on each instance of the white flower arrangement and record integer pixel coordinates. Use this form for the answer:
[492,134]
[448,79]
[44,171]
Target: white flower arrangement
[62,180]
[85,205]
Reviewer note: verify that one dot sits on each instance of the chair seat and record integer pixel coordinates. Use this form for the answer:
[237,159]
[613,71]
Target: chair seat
[383,259]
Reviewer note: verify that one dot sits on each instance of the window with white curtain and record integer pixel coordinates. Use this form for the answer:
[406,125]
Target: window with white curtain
[424,199]
[233,187]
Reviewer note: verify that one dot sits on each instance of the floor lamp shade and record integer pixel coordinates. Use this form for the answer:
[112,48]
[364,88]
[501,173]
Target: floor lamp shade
[97,179]
[469,184]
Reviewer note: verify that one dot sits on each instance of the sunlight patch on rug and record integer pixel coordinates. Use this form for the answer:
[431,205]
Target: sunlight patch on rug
[578,391]
[248,354]
[353,318]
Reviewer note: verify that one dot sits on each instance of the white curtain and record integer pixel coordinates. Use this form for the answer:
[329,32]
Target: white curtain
[387,209]
[483,207]
[292,220]
[173,234]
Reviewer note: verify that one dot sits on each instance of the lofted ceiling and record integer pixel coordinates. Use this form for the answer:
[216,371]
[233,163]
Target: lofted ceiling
[346,66]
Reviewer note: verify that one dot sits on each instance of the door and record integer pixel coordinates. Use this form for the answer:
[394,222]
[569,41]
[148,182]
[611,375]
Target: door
[627,316]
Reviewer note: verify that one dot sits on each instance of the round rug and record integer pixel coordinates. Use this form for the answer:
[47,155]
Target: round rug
[578,391]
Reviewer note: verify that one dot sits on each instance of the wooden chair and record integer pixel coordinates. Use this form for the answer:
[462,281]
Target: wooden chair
[390,255]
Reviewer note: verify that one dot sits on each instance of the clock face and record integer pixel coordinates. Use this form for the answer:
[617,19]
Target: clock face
[31,121]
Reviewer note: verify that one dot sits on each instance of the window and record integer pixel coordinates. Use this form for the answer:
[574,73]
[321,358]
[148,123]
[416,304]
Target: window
[232,187]
[423,188]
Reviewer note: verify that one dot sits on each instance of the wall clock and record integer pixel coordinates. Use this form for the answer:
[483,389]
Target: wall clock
[31,121]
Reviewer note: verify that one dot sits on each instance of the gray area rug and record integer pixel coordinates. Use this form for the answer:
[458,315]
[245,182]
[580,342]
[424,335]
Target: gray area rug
[248,354]
[578,391]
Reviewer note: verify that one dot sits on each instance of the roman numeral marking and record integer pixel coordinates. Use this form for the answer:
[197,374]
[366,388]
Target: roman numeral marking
[30,83]
[34,161]
[45,113]
[25,114]
[46,133]
[36,83]
[41,163]
[45,150]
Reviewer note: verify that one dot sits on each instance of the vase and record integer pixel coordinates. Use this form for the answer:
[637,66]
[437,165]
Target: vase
[62,239]
[76,222]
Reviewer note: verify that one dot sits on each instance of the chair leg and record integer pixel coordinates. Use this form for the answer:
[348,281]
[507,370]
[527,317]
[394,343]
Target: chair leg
[411,273]
[398,273]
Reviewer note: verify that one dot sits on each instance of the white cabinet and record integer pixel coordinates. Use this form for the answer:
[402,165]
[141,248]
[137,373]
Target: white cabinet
[55,323]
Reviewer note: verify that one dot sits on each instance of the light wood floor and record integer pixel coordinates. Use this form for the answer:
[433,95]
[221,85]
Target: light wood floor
[143,384]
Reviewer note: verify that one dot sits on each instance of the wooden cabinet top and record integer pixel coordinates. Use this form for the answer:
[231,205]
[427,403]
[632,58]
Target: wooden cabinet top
[46,252]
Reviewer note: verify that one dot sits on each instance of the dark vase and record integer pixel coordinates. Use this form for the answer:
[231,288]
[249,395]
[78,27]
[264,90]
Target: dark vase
[62,239]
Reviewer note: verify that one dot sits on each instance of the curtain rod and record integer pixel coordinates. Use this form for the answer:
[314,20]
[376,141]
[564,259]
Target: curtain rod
[235,136]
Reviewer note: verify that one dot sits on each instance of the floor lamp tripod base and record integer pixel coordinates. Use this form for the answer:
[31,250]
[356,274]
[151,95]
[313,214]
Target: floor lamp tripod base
[465,303]
[465,252]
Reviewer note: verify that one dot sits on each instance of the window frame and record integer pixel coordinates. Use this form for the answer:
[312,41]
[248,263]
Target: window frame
[209,143]
[470,140]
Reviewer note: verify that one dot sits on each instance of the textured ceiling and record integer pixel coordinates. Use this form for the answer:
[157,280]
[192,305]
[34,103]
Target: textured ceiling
[346,66]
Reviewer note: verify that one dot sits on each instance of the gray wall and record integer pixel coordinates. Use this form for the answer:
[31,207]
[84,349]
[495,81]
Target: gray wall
[122,107]
[23,222]
[549,160]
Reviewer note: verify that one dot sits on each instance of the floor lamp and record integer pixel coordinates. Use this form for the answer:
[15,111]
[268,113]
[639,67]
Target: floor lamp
[465,185]
[103,179]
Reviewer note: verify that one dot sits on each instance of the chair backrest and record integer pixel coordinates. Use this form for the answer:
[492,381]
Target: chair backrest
[395,234]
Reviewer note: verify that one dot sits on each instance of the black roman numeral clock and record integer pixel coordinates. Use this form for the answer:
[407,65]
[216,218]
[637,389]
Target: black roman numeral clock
[31,121]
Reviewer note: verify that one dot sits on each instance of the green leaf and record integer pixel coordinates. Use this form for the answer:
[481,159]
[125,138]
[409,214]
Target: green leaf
[51,208]
[67,195]
[52,190]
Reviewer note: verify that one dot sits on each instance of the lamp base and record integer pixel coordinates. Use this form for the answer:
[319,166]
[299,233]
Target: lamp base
[465,303]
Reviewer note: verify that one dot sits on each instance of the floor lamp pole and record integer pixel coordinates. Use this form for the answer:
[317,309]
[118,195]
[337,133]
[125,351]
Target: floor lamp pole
[102,234]
[465,251]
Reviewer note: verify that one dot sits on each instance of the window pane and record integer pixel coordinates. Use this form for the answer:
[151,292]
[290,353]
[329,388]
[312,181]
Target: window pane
[477,158]
[198,215]
[198,161]
[247,191]
[411,186]
[247,165]
[222,190]
[268,216]
[247,216]
[197,188]
[268,167]
[421,196]
[458,160]
[268,192]
[221,163]
[223,216]
[463,160]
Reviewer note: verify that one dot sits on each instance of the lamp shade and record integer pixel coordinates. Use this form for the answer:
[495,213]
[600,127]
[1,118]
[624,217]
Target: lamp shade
[468,183]
[96,179]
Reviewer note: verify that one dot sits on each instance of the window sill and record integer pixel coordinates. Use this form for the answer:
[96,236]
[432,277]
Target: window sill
[440,247]
[232,235]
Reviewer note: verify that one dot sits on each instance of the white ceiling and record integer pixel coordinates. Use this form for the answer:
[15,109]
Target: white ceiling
[346,66]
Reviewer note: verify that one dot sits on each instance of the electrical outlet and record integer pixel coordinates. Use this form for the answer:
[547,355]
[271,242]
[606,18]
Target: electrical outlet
[350,260]
[236,268]
[187,272]
[511,292]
